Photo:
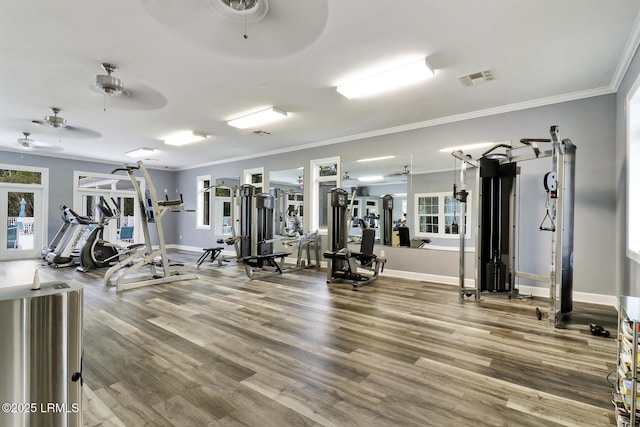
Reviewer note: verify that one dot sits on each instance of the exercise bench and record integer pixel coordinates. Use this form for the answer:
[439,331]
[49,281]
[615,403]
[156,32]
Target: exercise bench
[260,261]
[213,252]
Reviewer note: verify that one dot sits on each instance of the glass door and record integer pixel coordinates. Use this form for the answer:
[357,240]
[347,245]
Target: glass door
[22,235]
[119,195]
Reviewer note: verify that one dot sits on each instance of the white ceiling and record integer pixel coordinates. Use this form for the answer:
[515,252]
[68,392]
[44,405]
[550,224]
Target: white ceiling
[188,66]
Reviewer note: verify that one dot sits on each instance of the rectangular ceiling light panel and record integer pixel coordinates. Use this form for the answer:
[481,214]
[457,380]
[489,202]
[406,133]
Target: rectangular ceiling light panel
[140,152]
[391,79]
[257,119]
[183,138]
[373,159]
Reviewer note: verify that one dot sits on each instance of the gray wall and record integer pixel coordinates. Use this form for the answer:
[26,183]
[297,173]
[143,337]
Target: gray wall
[589,123]
[61,184]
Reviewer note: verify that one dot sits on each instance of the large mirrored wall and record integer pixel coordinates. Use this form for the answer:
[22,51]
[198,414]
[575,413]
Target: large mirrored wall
[368,180]
[225,209]
[287,188]
[425,213]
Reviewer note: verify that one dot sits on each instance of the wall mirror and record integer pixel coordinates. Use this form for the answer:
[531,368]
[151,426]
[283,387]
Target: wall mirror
[433,212]
[367,179]
[225,206]
[286,186]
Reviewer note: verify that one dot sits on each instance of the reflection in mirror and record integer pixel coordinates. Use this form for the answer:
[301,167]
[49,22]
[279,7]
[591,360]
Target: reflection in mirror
[225,206]
[433,212]
[368,180]
[286,188]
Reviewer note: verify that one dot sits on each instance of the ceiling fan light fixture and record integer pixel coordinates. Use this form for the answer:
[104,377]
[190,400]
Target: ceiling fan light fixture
[25,141]
[108,84]
[184,137]
[259,118]
[240,4]
[55,120]
[393,78]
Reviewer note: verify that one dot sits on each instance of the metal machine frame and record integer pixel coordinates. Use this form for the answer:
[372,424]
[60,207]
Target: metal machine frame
[152,212]
[559,184]
[342,263]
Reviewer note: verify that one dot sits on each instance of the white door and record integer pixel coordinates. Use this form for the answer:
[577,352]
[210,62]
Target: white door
[21,213]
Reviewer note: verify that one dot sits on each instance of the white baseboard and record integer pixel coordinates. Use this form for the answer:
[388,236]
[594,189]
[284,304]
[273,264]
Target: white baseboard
[536,291]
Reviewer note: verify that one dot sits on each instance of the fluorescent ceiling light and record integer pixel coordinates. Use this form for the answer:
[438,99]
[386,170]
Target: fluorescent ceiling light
[140,152]
[467,147]
[256,119]
[185,137]
[373,159]
[400,194]
[394,78]
[371,178]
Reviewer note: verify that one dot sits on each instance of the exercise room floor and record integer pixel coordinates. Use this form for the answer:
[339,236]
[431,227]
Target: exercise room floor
[289,350]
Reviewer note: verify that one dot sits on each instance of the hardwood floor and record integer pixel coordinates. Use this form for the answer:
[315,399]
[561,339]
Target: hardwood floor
[290,350]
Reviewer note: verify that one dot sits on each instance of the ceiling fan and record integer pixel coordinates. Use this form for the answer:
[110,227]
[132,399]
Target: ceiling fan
[405,171]
[31,144]
[109,85]
[58,124]
[135,97]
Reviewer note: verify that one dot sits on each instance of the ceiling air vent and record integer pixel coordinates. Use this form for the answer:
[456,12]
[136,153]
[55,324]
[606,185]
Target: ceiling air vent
[476,78]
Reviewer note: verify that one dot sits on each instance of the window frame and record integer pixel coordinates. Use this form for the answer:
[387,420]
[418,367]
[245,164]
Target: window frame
[316,181]
[204,203]
[442,215]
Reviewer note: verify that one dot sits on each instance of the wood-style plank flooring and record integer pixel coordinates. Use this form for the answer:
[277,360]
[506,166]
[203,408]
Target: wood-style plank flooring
[290,350]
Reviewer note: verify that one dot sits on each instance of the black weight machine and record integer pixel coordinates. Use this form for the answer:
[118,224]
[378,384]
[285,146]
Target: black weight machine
[256,248]
[343,263]
[496,235]
[386,220]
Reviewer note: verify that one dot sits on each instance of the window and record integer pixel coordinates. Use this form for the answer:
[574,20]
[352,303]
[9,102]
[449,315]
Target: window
[203,209]
[325,175]
[633,172]
[14,176]
[256,178]
[438,215]
[427,214]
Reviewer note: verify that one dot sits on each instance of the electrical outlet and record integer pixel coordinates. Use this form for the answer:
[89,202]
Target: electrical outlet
[382,254]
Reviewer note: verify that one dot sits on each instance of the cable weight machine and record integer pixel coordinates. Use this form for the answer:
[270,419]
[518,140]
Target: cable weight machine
[496,235]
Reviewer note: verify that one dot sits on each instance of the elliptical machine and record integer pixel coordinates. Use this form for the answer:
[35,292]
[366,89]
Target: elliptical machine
[97,252]
[68,240]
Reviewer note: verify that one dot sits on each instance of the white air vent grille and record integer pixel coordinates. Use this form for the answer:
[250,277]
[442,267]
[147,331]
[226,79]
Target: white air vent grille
[476,78]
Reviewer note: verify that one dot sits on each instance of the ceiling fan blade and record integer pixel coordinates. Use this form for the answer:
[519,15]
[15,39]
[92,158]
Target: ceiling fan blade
[138,96]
